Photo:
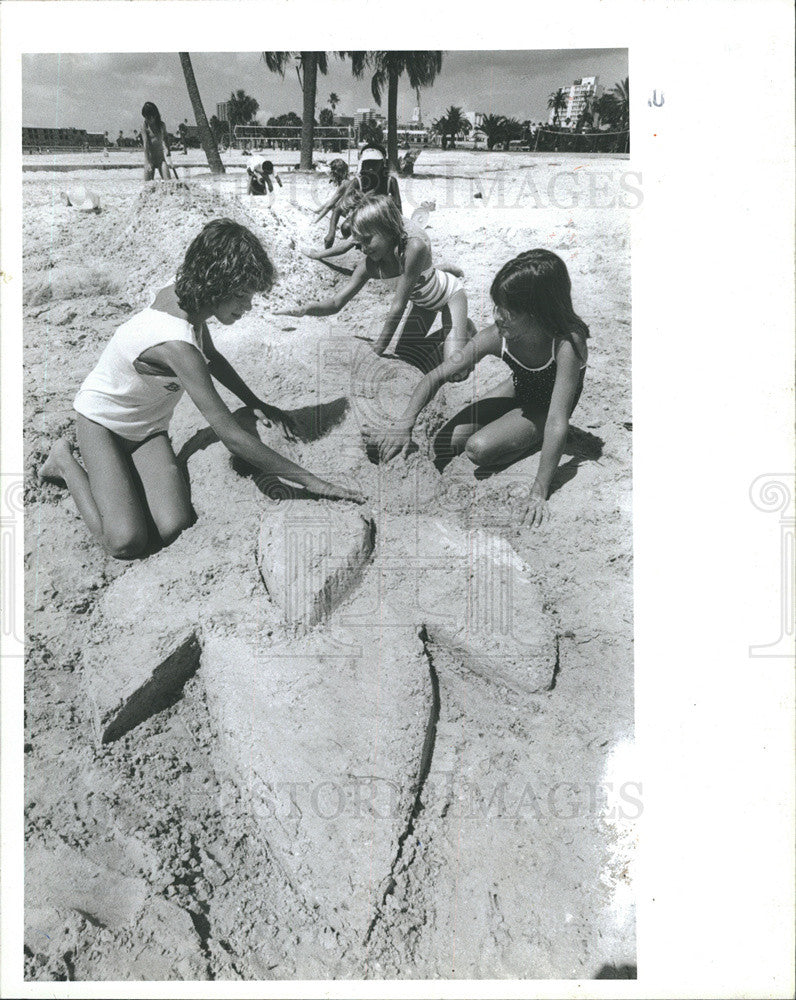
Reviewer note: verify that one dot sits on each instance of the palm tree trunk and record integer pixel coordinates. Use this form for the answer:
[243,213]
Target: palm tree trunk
[206,136]
[392,121]
[309,64]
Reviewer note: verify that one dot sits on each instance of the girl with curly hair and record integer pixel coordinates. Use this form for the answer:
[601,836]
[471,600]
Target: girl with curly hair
[131,477]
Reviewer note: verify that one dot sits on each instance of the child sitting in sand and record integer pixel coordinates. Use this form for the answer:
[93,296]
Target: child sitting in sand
[157,155]
[543,341]
[260,175]
[396,248]
[125,405]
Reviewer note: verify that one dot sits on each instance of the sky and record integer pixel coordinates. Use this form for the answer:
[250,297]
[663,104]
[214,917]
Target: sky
[105,91]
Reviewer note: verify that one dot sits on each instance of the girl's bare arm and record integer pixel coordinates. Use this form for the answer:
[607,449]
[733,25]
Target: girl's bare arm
[328,307]
[190,367]
[329,205]
[486,341]
[415,254]
[398,436]
[335,251]
[556,425]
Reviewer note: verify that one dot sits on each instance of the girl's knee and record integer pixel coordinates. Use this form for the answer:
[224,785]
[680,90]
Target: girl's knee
[479,451]
[174,525]
[126,544]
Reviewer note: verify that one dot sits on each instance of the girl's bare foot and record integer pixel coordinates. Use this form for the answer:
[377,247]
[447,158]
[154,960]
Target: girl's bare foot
[60,453]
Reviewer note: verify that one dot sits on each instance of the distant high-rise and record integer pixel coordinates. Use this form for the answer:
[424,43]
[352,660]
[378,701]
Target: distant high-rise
[221,111]
[367,115]
[576,96]
[475,118]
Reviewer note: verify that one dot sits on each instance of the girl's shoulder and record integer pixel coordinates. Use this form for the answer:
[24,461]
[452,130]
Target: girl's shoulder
[574,341]
[489,341]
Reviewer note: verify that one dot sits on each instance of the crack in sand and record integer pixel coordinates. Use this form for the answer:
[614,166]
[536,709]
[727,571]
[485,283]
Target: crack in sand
[425,767]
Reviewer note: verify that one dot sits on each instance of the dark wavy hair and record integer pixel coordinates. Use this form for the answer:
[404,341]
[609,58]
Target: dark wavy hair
[223,260]
[149,111]
[338,168]
[537,284]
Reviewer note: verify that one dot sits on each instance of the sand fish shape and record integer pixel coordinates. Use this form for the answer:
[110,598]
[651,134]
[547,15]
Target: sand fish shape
[325,736]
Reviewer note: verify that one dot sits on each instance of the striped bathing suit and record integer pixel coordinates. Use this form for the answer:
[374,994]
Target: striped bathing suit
[434,288]
[533,387]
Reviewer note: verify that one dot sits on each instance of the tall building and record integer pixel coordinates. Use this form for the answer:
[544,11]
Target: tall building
[576,96]
[221,111]
[367,115]
[475,118]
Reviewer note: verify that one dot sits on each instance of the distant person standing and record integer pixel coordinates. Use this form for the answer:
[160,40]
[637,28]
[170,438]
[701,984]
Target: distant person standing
[157,155]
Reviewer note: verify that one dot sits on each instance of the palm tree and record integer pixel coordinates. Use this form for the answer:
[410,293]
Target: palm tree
[457,124]
[205,135]
[440,126]
[606,109]
[241,108]
[493,127]
[421,68]
[308,65]
[621,94]
[557,102]
[514,130]
[586,116]
[333,101]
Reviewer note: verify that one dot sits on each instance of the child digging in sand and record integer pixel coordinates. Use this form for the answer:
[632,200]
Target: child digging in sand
[543,341]
[338,175]
[260,178]
[374,178]
[395,248]
[125,405]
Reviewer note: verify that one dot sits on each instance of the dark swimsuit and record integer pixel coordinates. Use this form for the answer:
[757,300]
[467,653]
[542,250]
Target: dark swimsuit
[533,387]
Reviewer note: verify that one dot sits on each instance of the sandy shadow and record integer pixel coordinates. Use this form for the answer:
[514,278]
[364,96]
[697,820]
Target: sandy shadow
[581,446]
[310,422]
[339,268]
[617,972]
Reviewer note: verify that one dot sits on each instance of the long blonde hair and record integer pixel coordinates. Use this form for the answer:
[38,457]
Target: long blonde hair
[379,213]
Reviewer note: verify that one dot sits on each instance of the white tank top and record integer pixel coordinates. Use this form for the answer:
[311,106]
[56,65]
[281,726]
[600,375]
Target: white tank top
[128,401]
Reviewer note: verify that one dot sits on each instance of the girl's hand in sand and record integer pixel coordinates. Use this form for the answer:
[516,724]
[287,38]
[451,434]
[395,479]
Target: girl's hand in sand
[323,489]
[270,415]
[538,511]
[298,311]
[390,442]
[312,254]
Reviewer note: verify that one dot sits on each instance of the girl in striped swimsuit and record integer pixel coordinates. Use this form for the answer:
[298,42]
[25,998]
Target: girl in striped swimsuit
[397,249]
[543,341]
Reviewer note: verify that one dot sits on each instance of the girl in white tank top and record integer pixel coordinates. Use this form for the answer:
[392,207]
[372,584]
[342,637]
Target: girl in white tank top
[125,404]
